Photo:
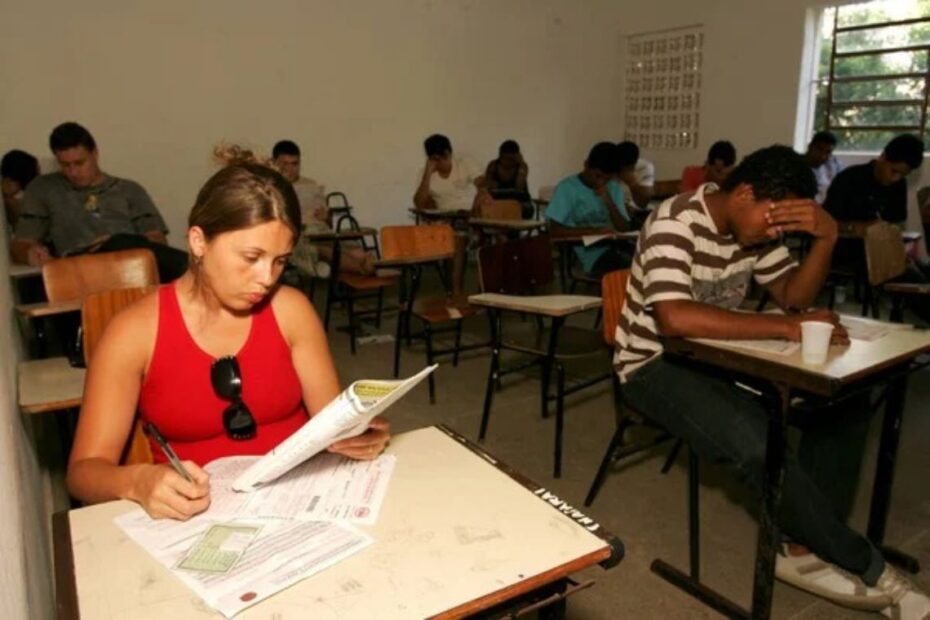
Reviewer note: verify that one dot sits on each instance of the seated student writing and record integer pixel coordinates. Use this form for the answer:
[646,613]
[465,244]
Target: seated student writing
[590,203]
[692,268]
[157,355]
[638,173]
[720,160]
[82,210]
[505,177]
[877,190]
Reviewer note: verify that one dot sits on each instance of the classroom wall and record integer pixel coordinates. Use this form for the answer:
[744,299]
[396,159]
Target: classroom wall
[25,559]
[751,75]
[357,84]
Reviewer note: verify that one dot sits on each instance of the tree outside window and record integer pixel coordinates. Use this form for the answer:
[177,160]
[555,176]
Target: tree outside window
[874,72]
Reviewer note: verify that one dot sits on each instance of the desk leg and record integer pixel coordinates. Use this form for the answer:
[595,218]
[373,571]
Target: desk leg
[884,474]
[493,374]
[768,540]
[546,366]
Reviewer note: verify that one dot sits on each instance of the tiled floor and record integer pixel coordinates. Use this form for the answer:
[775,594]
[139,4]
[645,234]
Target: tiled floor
[645,509]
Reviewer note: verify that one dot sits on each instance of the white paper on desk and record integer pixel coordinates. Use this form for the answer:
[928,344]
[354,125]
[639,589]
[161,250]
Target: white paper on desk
[328,487]
[780,347]
[284,553]
[592,239]
[346,416]
[860,328]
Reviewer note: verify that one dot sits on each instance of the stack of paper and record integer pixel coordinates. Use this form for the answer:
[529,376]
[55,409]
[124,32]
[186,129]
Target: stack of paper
[277,519]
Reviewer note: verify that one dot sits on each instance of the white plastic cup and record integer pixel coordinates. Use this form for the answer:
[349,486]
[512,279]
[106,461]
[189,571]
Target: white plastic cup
[815,341]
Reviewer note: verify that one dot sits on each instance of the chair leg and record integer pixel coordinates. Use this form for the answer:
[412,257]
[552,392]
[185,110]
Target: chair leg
[598,481]
[493,377]
[458,343]
[897,309]
[397,338]
[380,308]
[330,294]
[428,333]
[559,418]
[350,308]
[694,523]
[672,456]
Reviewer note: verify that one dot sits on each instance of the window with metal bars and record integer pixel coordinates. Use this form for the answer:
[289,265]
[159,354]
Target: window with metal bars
[873,75]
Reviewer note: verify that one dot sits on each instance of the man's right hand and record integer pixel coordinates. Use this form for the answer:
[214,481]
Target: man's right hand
[164,493]
[38,255]
[430,167]
[839,336]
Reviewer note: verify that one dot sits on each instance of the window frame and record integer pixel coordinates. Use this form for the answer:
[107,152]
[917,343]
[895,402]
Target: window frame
[815,80]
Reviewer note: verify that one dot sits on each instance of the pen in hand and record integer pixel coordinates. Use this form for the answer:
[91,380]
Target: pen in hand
[172,457]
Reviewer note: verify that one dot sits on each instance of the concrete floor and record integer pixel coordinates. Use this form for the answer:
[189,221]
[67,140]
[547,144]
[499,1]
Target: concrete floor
[646,509]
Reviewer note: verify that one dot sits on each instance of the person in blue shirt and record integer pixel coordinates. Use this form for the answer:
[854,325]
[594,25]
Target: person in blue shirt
[591,203]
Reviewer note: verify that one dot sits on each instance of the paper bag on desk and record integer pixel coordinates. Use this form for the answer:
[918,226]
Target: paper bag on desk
[346,416]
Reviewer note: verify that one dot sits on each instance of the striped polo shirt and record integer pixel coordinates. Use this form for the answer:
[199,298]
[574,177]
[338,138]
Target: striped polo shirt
[680,255]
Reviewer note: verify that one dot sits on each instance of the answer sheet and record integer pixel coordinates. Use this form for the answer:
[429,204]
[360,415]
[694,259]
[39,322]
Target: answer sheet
[779,347]
[280,554]
[860,328]
[328,487]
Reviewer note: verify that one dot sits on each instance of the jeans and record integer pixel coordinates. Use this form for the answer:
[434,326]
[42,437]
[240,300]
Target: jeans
[612,259]
[724,423]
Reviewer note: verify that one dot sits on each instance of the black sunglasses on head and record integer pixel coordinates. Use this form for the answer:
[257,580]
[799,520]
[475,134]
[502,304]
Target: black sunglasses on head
[238,421]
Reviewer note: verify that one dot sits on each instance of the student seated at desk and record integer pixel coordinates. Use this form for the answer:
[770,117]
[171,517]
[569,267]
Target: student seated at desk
[505,177]
[589,203]
[448,183]
[692,268]
[638,173]
[17,170]
[720,160]
[82,210]
[877,190]
[316,258]
[823,162]
[157,355]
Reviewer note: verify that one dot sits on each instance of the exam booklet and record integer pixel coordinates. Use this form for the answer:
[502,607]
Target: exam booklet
[348,415]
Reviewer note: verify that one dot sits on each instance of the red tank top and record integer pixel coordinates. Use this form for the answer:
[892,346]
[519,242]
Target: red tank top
[178,398]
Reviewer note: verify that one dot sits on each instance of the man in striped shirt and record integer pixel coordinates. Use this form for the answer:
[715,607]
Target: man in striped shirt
[692,269]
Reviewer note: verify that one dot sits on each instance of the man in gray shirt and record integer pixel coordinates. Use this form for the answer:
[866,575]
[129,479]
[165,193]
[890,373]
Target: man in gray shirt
[81,209]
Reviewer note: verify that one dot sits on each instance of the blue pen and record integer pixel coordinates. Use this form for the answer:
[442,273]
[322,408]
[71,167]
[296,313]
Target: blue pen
[172,457]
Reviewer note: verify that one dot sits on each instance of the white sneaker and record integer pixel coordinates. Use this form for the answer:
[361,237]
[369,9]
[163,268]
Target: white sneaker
[812,574]
[907,602]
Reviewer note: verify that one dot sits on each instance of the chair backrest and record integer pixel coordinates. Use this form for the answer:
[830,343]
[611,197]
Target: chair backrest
[420,241]
[613,291]
[333,199]
[96,312]
[885,254]
[518,267]
[501,210]
[77,277]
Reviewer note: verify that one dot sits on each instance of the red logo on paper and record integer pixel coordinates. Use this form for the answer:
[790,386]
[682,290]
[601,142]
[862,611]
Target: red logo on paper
[248,596]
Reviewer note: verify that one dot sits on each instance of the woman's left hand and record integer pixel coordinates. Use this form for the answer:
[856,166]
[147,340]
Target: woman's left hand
[367,446]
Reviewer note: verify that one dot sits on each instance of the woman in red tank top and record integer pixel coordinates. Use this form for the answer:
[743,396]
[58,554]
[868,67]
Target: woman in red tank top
[223,361]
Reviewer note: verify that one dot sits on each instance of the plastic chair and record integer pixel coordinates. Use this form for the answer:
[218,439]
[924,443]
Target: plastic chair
[97,311]
[419,246]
